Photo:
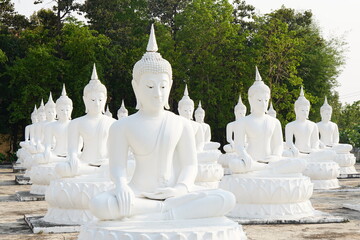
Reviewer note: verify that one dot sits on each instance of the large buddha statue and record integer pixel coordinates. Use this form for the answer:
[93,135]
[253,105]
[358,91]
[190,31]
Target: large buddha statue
[56,131]
[329,138]
[93,129]
[265,184]
[161,200]
[321,168]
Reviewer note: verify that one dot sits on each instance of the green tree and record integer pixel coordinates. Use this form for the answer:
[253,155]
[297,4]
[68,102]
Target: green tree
[349,124]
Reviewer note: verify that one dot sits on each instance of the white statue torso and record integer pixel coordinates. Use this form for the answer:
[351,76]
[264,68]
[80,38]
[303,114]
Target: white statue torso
[304,132]
[327,132]
[59,131]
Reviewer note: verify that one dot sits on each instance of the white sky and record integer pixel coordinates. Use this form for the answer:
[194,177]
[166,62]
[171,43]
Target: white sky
[335,18]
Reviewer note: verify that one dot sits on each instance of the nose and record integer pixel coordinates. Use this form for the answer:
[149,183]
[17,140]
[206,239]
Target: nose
[157,92]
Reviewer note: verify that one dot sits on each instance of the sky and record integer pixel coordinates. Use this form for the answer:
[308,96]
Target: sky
[335,18]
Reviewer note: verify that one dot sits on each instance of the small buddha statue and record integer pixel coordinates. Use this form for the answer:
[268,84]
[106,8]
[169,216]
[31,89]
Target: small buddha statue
[266,185]
[92,129]
[240,112]
[329,138]
[122,112]
[199,117]
[186,109]
[164,148]
[271,111]
[107,112]
[321,167]
[38,128]
[58,131]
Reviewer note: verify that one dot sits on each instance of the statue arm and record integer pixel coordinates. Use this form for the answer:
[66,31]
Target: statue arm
[208,133]
[315,141]
[229,134]
[48,139]
[336,138]
[199,138]
[27,133]
[73,139]
[186,148]
[240,134]
[289,135]
[277,140]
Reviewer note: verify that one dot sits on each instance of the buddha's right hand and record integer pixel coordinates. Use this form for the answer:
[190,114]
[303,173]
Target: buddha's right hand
[294,151]
[74,164]
[125,198]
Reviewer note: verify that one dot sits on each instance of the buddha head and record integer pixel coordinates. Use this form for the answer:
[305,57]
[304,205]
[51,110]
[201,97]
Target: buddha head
[95,95]
[186,105]
[50,109]
[41,116]
[325,111]
[302,106]
[64,106]
[271,111]
[152,78]
[258,95]
[107,112]
[199,114]
[122,112]
[34,118]
[240,109]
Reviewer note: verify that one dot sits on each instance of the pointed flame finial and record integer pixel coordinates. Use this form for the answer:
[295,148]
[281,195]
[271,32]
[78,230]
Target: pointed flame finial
[302,92]
[51,98]
[199,106]
[35,109]
[42,103]
[257,74]
[94,75]
[152,45]
[326,101]
[240,100]
[122,104]
[63,92]
[186,92]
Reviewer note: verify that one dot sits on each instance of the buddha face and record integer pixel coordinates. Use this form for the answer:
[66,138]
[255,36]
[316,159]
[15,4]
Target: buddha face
[64,111]
[326,114]
[259,102]
[41,116]
[122,114]
[186,110]
[200,116]
[34,118]
[302,112]
[50,113]
[95,102]
[152,91]
[240,112]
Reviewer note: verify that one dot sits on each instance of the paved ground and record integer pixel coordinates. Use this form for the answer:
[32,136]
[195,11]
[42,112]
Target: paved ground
[12,225]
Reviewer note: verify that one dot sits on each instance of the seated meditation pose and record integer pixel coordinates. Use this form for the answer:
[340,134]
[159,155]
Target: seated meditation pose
[80,175]
[329,137]
[40,129]
[321,168]
[209,171]
[42,174]
[161,201]
[276,190]
[122,112]
[28,145]
[271,111]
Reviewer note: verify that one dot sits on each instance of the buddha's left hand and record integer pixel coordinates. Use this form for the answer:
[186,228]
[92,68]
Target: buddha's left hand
[167,192]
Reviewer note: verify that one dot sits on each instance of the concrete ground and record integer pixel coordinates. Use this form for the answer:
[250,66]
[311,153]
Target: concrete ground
[12,225]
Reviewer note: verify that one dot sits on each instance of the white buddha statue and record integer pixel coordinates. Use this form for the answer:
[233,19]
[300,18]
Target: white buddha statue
[265,190]
[271,111]
[321,168]
[93,129]
[107,112]
[38,127]
[42,175]
[81,177]
[28,145]
[186,109]
[122,112]
[199,117]
[329,138]
[161,195]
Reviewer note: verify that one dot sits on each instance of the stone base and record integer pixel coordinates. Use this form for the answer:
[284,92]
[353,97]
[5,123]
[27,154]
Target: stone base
[38,189]
[191,229]
[22,180]
[353,175]
[355,207]
[326,184]
[38,225]
[26,196]
[18,169]
[318,217]
[72,216]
